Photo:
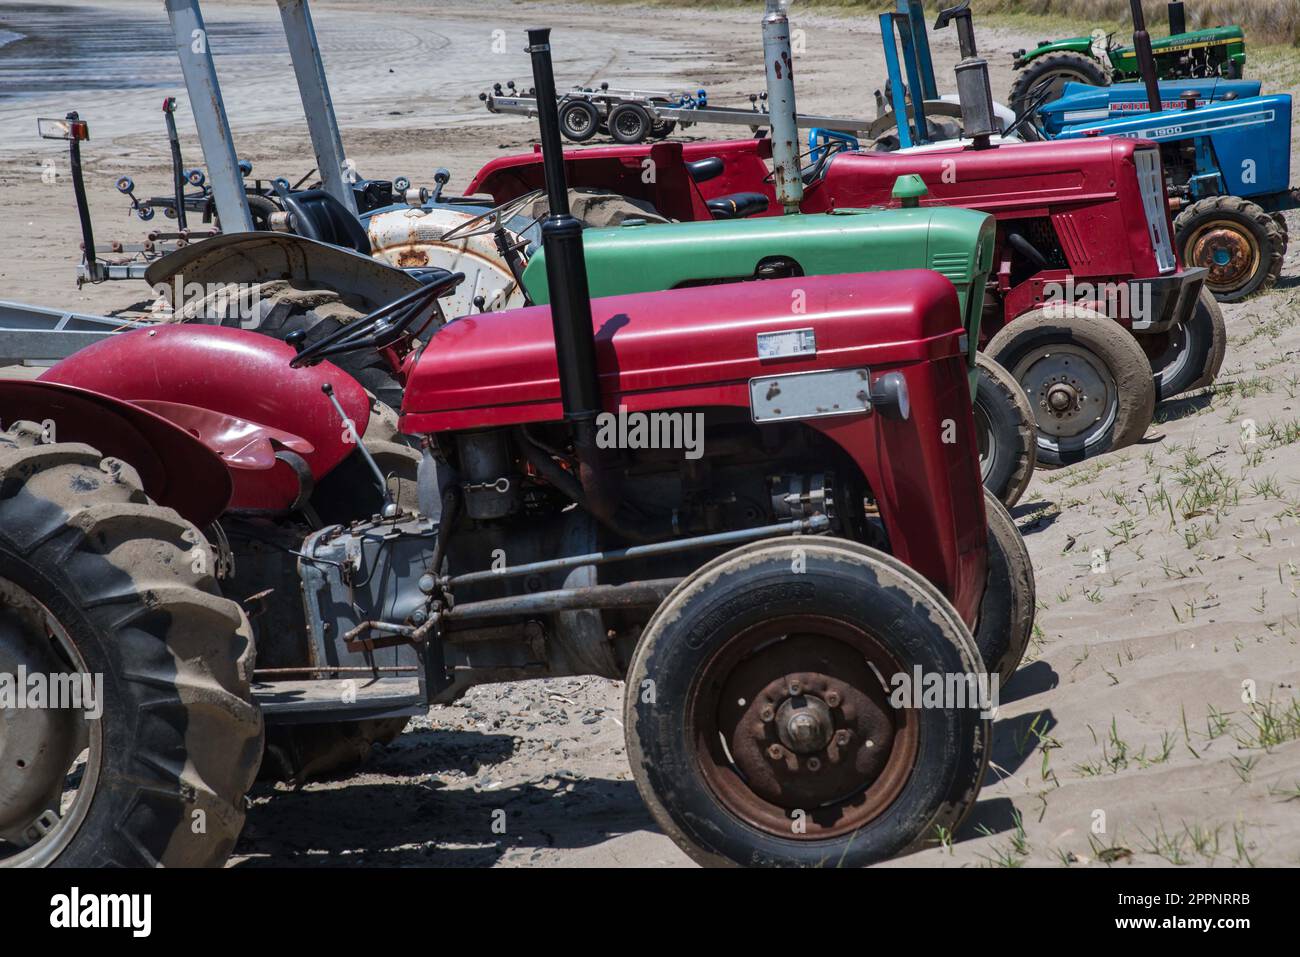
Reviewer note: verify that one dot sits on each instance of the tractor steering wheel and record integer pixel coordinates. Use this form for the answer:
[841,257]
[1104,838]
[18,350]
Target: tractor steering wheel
[378,330]
[489,222]
[1038,96]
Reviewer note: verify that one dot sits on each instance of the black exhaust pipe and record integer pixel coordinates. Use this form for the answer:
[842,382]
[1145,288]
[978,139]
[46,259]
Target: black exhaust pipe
[566,267]
[1177,17]
[1146,59]
[566,275]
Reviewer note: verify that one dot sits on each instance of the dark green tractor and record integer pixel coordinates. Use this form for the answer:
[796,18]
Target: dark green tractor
[957,243]
[1097,60]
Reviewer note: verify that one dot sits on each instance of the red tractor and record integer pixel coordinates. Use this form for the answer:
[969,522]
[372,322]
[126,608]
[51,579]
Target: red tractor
[173,499]
[1083,233]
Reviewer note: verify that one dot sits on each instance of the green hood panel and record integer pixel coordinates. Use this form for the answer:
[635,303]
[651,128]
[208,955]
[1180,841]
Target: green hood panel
[957,243]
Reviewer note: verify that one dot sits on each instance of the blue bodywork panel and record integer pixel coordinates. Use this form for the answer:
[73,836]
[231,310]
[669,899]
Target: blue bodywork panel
[1242,147]
[1084,103]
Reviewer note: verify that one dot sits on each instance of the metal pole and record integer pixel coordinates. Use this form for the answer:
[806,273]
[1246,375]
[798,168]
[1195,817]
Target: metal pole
[194,51]
[83,204]
[336,172]
[779,63]
[915,11]
[178,173]
[1146,60]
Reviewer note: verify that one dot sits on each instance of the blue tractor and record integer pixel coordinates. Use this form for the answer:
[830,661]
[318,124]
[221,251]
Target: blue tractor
[1226,152]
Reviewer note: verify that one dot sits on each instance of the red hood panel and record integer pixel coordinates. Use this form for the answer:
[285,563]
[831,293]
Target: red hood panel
[500,368]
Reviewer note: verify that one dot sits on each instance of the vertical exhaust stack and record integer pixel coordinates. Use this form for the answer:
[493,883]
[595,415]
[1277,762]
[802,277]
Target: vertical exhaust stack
[1146,59]
[566,276]
[1177,17]
[973,90]
[566,266]
[779,64]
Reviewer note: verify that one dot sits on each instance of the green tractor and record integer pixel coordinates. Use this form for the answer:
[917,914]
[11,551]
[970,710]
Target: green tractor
[958,243]
[1183,54]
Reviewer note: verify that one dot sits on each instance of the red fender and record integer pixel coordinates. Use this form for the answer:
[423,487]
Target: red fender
[176,469]
[234,391]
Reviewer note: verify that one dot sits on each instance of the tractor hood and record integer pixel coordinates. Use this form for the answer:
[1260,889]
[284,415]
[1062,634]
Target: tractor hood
[687,347]
[1251,138]
[1083,103]
[1015,177]
[644,258]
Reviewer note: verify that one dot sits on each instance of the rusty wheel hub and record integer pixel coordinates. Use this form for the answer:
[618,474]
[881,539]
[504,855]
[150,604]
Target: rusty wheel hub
[1229,252]
[794,716]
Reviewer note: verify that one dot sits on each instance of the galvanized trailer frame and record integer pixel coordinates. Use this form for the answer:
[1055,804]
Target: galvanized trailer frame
[605,100]
[36,334]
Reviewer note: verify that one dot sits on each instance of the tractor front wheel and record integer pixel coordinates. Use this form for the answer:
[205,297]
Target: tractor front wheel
[113,599]
[1006,621]
[1088,382]
[1190,355]
[1005,430]
[1236,240]
[773,718]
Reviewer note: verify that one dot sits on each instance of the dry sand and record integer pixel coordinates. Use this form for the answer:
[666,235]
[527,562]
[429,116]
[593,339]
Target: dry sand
[1167,573]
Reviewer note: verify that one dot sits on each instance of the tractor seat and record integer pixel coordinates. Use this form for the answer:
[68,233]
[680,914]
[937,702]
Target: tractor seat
[318,215]
[705,169]
[737,205]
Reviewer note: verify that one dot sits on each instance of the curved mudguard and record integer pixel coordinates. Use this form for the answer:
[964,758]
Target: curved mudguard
[176,469]
[271,426]
[258,257]
[1067,45]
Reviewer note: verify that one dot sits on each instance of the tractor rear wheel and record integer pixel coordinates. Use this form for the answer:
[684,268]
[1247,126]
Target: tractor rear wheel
[97,582]
[1190,355]
[764,713]
[1004,426]
[1006,621]
[1240,244]
[1087,380]
[1055,69]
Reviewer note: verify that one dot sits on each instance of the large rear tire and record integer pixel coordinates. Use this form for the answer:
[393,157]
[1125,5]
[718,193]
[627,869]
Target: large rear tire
[1087,380]
[96,579]
[758,713]
[1055,69]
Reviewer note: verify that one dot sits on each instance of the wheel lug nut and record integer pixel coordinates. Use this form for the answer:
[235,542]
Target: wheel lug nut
[842,737]
[833,699]
[795,689]
[768,713]
[814,764]
[776,752]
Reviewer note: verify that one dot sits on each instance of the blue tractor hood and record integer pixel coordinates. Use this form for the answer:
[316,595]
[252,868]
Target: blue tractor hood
[1083,104]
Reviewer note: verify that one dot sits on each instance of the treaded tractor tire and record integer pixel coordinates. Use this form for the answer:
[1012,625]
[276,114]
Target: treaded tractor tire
[754,587]
[1006,621]
[629,123]
[1255,248]
[1204,341]
[1008,435]
[1107,349]
[179,739]
[1072,66]
[579,120]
